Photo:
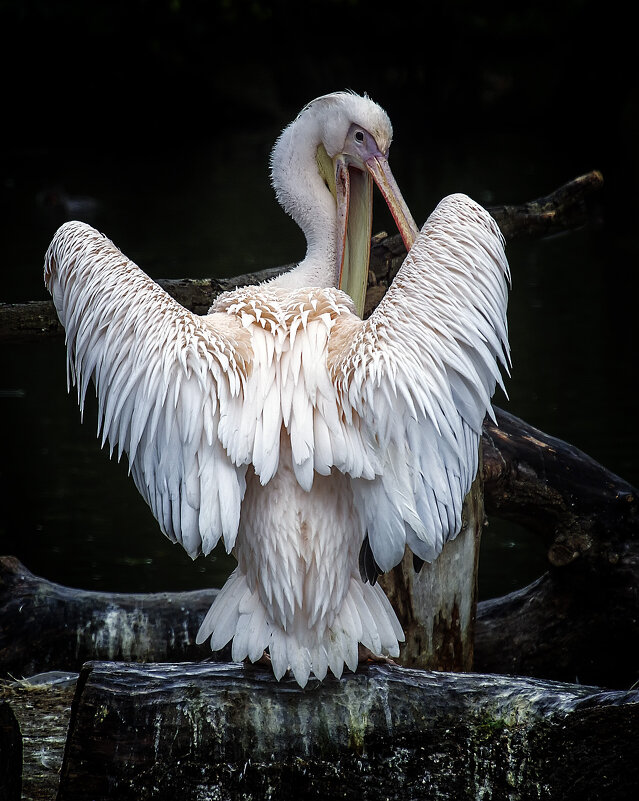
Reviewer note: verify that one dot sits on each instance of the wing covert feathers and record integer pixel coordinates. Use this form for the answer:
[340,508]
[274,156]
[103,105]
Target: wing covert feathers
[396,402]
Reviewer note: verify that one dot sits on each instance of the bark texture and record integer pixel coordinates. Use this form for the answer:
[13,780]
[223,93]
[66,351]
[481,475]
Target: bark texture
[42,708]
[220,732]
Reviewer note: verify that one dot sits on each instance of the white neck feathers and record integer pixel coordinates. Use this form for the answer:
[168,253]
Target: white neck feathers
[303,194]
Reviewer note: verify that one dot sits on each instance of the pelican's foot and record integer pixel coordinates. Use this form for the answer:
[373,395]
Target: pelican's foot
[366,655]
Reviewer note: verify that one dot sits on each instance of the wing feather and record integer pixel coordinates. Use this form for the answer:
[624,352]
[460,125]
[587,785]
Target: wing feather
[163,378]
[420,374]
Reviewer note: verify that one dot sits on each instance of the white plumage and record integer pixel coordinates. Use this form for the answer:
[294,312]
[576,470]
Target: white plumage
[284,424]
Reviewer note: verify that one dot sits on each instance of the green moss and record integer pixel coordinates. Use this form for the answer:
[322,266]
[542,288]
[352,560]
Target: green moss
[357,733]
[487,726]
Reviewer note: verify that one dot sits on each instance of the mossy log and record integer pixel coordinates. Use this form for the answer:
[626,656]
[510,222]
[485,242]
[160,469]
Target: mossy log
[42,708]
[195,731]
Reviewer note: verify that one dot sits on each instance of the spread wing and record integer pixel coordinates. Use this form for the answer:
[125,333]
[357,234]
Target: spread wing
[420,373]
[163,378]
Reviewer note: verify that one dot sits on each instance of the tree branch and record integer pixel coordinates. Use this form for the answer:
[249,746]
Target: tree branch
[570,206]
[580,621]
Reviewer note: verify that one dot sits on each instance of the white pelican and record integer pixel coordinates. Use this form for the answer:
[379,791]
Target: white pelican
[315,444]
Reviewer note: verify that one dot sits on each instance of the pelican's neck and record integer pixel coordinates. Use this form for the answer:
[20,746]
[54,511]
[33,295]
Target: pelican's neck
[303,194]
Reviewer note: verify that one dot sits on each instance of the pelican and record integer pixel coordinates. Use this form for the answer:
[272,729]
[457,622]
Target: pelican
[316,445]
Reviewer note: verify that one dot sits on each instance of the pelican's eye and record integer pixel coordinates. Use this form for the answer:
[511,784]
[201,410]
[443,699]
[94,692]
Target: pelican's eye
[359,136]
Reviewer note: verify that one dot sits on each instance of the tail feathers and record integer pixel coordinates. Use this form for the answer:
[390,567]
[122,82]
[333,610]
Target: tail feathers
[365,617]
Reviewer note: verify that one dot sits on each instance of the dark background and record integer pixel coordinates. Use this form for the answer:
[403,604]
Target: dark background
[154,122]
[122,80]
[129,77]
[143,72]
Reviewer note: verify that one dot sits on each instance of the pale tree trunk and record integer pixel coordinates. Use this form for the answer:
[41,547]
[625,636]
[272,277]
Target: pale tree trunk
[437,606]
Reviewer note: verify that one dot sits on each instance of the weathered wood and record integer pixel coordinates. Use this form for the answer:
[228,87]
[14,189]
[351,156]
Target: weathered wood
[437,606]
[45,626]
[42,707]
[572,205]
[580,621]
[580,508]
[10,754]
[223,732]
[569,206]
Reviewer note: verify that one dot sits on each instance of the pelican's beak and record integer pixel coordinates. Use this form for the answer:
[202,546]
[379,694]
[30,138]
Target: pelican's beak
[354,196]
[377,166]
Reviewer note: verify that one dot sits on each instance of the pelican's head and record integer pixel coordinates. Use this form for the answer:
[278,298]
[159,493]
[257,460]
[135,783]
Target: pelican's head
[351,137]
[337,113]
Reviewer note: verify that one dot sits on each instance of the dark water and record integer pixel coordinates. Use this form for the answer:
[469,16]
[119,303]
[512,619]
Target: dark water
[194,210]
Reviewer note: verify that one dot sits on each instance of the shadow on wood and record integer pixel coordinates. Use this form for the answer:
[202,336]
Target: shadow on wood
[10,755]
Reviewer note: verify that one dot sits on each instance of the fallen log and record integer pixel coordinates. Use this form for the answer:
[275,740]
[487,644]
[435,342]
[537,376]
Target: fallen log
[569,206]
[217,731]
[578,507]
[580,621]
[45,626]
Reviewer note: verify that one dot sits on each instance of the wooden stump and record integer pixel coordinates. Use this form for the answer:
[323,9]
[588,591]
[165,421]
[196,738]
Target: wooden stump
[42,708]
[437,606]
[223,732]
